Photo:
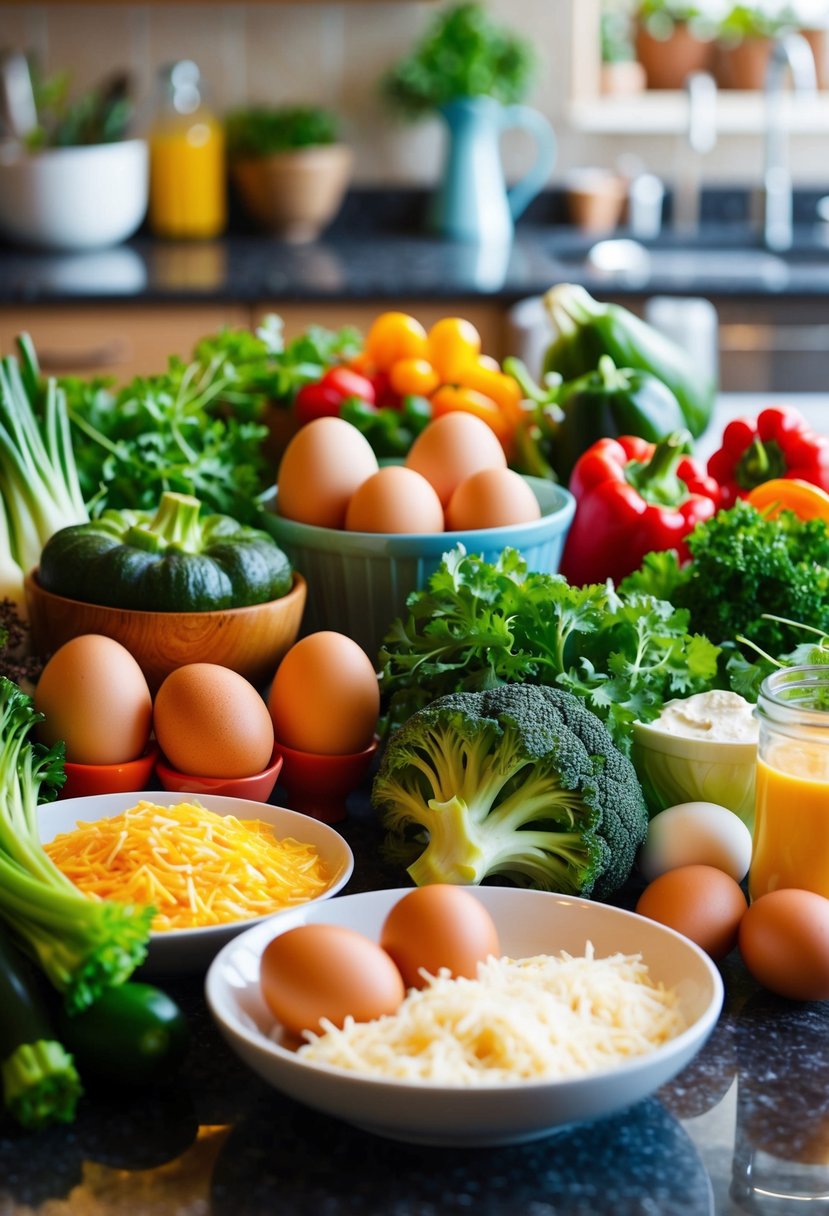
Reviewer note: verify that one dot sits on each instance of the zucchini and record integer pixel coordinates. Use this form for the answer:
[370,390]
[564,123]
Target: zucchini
[586,330]
[40,1083]
[133,1034]
[173,560]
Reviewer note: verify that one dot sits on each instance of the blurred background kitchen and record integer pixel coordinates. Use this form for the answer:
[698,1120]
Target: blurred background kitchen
[675,158]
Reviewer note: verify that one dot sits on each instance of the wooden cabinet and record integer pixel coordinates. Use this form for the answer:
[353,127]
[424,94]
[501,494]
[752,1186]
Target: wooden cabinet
[122,340]
[117,340]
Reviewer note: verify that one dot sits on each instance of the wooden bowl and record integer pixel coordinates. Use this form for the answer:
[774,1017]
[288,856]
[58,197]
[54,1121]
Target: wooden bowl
[249,640]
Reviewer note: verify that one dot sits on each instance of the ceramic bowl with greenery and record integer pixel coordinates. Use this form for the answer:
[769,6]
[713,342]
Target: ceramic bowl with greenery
[289,166]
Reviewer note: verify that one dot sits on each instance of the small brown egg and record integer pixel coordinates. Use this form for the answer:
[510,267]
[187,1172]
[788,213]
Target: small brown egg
[450,448]
[784,941]
[437,926]
[491,498]
[211,722]
[320,469]
[95,698]
[325,697]
[327,971]
[701,902]
[394,499]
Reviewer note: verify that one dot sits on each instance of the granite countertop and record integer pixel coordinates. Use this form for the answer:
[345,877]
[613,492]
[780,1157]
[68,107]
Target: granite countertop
[745,1128]
[378,248]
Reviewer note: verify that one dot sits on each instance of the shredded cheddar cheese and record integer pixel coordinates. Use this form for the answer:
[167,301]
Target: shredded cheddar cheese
[196,868]
[535,1018]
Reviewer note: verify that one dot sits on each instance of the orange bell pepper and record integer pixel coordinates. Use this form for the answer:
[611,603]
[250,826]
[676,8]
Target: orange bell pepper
[803,498]
[393,336]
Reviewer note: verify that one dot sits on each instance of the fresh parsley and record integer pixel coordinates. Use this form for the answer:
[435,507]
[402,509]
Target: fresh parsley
[479,624]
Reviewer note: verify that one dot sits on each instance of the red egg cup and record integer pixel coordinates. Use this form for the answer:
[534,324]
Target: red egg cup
[319,785]
[85,779]
[258,787]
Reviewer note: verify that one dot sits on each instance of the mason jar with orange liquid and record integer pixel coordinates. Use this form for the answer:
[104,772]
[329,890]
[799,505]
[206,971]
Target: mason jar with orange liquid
[791,824]
[188,194]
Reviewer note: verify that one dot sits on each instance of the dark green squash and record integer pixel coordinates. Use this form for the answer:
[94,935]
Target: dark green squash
[175,560]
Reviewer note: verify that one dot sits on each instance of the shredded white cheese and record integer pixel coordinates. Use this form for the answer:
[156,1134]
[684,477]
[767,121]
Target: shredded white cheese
[537,1018]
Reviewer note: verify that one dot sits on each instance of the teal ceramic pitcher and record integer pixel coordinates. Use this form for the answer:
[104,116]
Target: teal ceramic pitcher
[473,201]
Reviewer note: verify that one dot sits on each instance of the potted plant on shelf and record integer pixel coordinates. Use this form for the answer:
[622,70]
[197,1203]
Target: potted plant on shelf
[744,39]
[289,166]
[621,71]
[473,73]
[672,39]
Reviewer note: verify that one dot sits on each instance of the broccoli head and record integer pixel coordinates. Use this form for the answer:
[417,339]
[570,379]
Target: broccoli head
[522,781]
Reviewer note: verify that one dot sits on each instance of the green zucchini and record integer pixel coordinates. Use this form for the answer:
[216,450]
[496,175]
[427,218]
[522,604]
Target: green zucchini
[40,1083]
[173,560]
[585,330]
[133,1034]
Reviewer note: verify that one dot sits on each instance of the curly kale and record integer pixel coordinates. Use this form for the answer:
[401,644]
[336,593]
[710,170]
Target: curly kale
[746,576]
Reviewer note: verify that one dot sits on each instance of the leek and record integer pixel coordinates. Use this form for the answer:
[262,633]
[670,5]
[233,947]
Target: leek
[38,476]
[82,945]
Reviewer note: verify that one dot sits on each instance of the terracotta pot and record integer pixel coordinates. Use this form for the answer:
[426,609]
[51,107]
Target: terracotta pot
[668,61]
[294,194]
[595,199]
[743,65]
[622,79]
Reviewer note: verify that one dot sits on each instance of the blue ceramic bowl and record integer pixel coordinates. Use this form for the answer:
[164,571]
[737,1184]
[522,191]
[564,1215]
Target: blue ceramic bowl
[358,581]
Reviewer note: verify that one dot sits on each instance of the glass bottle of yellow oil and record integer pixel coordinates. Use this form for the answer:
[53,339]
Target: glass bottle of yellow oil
[188,197]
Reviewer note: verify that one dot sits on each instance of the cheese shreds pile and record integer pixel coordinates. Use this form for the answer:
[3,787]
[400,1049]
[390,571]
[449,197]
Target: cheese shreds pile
[537,1018]
[196,868]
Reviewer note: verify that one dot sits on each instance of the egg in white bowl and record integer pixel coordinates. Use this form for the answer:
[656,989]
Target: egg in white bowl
[429,1111]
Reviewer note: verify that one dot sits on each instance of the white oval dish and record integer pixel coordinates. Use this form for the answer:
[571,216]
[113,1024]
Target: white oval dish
[529,922]
[179,950]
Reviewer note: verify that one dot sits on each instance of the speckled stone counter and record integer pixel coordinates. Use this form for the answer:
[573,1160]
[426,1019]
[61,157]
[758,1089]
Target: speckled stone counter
[745,1128]
[379,248]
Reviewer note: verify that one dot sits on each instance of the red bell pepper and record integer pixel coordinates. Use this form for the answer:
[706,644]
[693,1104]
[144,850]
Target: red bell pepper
[779,442]
[324,397]
[633,497]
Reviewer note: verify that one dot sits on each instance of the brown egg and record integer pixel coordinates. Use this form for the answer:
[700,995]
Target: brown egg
[327,971]
[394,499]
[325,697]
[450,448]
[701,902]
[784,941]
[437,926]
[94,696]
[211,722]
[320,469]
[491,498]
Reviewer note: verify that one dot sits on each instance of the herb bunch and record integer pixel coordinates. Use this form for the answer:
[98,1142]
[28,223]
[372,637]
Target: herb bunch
[479,624]
[463,53]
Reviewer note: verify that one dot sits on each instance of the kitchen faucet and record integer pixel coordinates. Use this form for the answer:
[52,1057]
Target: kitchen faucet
[700,137]
[790,51]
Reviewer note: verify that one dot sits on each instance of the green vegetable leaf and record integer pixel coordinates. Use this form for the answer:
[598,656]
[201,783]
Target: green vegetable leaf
[479,624]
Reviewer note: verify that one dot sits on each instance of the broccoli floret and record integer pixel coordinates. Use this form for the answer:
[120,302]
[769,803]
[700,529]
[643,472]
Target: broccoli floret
[520,780]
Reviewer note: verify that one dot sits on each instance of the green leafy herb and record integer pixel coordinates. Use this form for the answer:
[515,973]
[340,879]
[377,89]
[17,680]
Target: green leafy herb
[264,130]
[99,115]
[82,945]
[463,53]
[749,576]
[199,427]
[481,624]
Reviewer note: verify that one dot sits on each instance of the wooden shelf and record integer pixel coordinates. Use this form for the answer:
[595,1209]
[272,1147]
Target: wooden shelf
[664,112]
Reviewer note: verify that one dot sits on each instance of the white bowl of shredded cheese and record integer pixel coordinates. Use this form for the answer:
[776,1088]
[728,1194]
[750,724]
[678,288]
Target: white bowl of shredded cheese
[210,865]
[611,1007]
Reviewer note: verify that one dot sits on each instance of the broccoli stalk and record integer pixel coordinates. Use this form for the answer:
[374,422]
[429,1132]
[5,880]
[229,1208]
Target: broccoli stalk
[520,780]
[82,945]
